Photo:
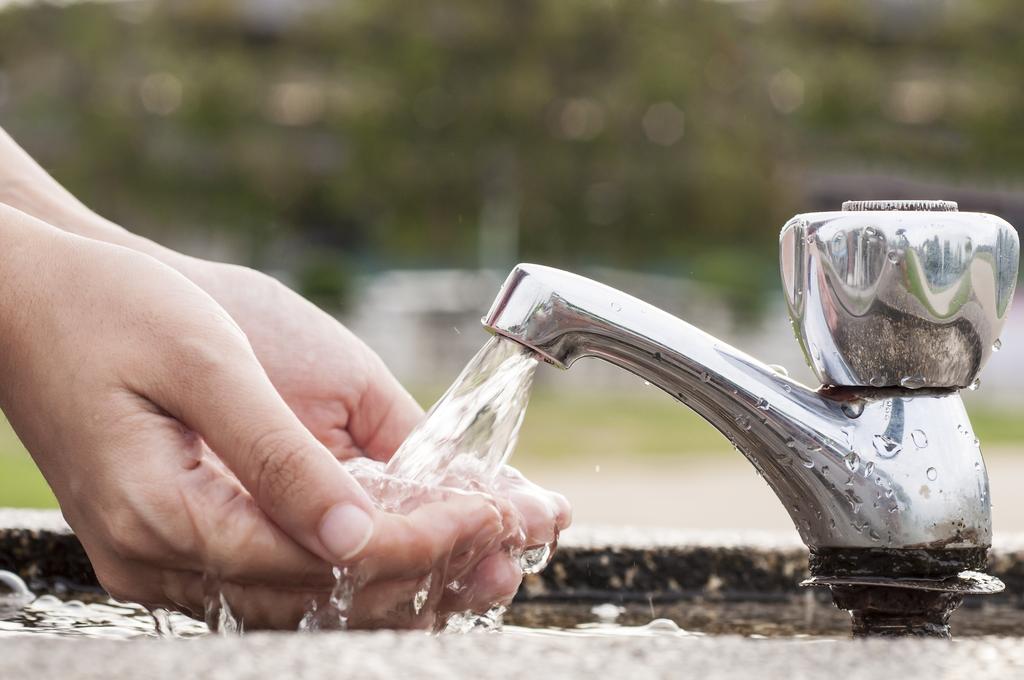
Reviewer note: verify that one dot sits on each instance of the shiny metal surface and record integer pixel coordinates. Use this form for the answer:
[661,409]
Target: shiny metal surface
[875,468]
[898,293]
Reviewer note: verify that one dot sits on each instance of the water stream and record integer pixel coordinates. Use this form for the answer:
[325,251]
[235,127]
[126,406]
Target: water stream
[462,444]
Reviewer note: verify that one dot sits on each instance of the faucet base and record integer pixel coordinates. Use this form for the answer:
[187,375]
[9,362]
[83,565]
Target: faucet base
[901,592]
[879,611]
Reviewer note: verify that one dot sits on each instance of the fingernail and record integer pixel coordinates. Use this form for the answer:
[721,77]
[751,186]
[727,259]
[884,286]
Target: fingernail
[345,531]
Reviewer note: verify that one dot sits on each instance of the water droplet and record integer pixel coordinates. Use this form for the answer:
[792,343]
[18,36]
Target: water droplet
[824,470]
[762,404]
[781,370]
[913,382]
[997,345]
[977,465]
[831,524]
[420,598]
[743,421]
[705,376]
[806,462]
[534,560]
[815,352]
[607,612]
[893,256]
[877,381]
[920,438]
[647,383]
[869,467]
[662,627]
[616,306]
[853,409]
[975,384]
[873,535]
[886,446]
[977,443]
[932,474]
[852,461]
[791,443]
[837,240]
[870,232]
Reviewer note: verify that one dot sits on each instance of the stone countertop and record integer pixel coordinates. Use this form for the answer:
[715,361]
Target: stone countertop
[594,553]
[388,655]
[592,563]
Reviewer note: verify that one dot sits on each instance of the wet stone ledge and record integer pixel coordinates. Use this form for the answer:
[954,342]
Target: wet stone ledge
[616,564]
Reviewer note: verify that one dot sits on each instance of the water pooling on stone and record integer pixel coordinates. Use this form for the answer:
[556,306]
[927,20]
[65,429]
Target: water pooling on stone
[463,443]
[88,615]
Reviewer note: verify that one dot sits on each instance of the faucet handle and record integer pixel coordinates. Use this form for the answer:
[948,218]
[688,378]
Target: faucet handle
[898,293]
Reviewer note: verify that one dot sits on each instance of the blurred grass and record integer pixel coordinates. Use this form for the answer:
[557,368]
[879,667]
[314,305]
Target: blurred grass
[21,485]
[558,427]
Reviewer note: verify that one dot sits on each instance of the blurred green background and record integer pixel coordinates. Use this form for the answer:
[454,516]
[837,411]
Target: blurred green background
[328,141]
[329,138]
[582,430]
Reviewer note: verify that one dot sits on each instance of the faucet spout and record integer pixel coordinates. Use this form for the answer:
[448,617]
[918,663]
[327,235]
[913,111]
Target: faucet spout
[857,469]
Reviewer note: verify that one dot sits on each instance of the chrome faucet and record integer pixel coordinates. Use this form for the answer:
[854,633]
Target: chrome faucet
[897,306]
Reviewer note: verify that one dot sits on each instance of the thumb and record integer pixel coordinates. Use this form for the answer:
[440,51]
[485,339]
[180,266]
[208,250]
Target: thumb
[223,393]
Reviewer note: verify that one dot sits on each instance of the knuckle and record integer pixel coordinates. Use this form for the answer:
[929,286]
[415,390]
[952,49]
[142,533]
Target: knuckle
[205,353]
[277,471]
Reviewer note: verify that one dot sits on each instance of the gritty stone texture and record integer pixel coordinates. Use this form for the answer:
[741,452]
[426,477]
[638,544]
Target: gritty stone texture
[591,563]
[38,545]
[589,560]
[388,655]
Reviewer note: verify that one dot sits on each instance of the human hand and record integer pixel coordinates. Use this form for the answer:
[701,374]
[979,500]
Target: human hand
[339,388]
[174,458]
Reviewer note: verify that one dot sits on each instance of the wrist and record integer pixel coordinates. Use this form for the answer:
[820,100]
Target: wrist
[28,249]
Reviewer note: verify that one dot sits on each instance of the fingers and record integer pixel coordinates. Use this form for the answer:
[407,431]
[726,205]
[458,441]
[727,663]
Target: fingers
[307,493]
[181,506]
[237,541]
[412,544]
[544,513]
[219,389]
[495,580]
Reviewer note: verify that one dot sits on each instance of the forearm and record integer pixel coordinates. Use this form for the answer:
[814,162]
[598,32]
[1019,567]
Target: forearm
[26,186]
[31,252]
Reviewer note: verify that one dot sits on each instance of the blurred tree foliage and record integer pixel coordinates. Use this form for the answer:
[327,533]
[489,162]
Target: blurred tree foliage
[662,134]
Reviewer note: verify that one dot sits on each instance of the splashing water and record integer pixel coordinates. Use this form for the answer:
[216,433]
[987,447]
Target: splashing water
[463,443]
[471,431]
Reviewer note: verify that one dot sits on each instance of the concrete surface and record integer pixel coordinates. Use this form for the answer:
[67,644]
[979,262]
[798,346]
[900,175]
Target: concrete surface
[387,655]
[522,654]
